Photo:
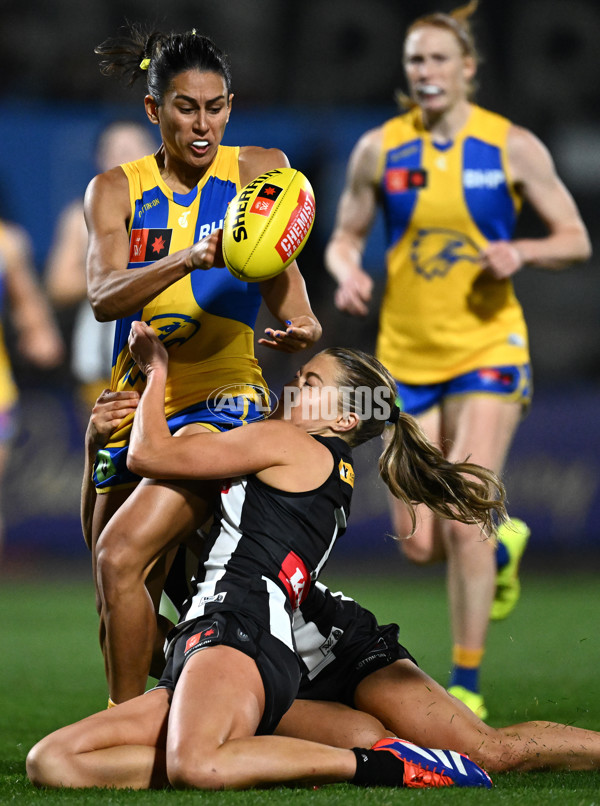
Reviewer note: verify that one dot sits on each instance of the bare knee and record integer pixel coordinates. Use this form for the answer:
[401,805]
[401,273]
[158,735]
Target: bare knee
[118,564]
[186,770]
[45,764]
[366,734]
[461,536]
[417,551]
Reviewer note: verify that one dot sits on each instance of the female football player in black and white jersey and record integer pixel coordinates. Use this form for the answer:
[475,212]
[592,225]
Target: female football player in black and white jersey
[232,670]
[360,684]
[196,728]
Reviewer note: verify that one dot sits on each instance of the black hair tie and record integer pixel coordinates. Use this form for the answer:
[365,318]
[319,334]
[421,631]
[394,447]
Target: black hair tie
[394,415]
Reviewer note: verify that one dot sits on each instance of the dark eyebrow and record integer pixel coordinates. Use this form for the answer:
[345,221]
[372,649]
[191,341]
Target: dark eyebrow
[190,100]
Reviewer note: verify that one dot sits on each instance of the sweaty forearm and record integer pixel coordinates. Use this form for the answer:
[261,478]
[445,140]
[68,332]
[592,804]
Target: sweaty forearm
[121,292]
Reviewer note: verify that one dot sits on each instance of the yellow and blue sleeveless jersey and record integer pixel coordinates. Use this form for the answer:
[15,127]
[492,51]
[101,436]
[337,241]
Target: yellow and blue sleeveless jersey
[206,319]
[441,315]
[8,388]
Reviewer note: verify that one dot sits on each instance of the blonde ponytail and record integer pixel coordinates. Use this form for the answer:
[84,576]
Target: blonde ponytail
[416,472]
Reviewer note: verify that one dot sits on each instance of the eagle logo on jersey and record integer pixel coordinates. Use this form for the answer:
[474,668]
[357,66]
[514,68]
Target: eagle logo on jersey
[173,330]
[435,251]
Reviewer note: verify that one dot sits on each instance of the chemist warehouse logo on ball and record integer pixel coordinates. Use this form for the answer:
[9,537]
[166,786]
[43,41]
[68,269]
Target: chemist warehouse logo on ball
[245,402]
[298,226]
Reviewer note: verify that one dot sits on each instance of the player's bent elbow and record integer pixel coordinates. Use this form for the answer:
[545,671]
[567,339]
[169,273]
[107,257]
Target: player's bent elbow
[587,251]
[101,311]
[139,462]
[582,249]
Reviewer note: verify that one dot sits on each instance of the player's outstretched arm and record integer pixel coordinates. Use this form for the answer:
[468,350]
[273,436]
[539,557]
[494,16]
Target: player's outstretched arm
[287,300]
[154,453]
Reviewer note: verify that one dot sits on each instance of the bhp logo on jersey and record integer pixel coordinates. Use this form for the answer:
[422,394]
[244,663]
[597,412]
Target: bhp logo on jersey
[149,244]
[489,179]
[205,636]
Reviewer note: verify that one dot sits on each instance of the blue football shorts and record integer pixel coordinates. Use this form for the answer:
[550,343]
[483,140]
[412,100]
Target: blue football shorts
[110,468]
[512,383]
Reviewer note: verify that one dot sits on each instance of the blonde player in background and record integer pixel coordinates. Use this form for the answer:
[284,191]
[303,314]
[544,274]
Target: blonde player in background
[451,178]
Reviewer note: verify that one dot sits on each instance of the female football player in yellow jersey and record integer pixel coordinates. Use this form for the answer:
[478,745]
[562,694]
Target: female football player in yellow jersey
[37,336]
[450,178]
[154,245]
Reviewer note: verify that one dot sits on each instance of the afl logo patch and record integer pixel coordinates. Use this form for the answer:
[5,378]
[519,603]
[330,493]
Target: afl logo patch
[206,636]
[149,244]
[399,180]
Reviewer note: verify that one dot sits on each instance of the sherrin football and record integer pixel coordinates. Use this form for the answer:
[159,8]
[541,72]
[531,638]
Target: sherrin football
[267,224]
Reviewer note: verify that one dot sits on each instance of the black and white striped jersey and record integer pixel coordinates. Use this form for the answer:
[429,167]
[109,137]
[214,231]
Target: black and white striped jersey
[266,545]
[320,623]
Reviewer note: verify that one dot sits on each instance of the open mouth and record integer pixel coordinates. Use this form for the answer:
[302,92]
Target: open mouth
[429,91]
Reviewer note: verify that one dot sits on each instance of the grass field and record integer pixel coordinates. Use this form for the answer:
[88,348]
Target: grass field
[541,663]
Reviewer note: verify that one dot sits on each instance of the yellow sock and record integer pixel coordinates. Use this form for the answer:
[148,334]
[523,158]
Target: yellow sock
[467,658]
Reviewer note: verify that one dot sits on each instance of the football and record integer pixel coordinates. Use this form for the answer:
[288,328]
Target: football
[267,224]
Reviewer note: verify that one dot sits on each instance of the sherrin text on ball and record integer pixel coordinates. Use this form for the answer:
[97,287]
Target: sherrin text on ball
[267,224]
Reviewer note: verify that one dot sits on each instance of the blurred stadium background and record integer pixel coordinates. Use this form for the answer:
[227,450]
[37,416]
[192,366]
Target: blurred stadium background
[309,78]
